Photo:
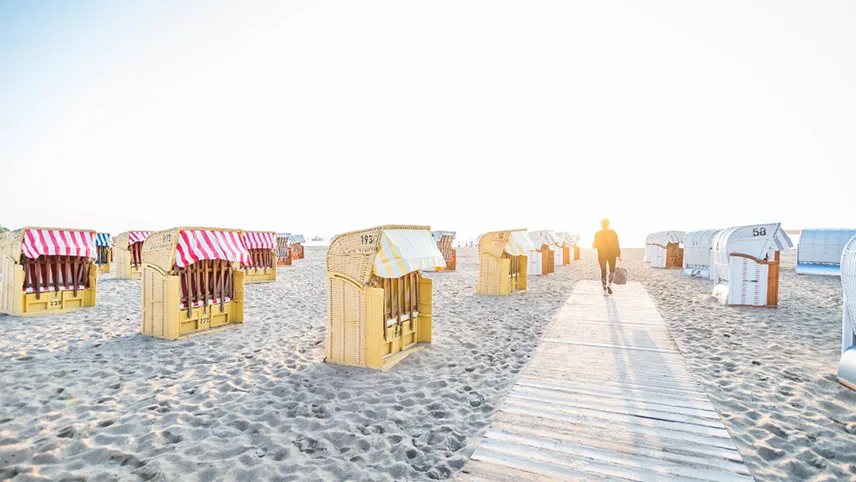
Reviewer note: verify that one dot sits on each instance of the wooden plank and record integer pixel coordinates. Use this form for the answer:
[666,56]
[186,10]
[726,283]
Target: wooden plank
[600,401]
[622,440]
[600,393]
[626,347]
[643,463]
[607,396]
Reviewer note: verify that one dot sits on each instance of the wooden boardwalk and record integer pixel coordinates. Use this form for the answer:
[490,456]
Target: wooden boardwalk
[606,397]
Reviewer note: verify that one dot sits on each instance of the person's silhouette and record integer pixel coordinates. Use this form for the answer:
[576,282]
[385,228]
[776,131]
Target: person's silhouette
[606,244]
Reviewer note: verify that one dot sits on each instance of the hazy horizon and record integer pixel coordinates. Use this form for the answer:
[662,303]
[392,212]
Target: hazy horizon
[326,117]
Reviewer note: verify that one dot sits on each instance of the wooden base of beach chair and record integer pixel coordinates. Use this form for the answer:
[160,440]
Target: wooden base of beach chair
[577,256]
[372,327]
[259,275]
[165,312]
[452,263]
[501,276]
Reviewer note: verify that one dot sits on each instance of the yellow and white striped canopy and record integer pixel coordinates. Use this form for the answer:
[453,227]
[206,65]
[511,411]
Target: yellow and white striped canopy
[403,251]
[519,244]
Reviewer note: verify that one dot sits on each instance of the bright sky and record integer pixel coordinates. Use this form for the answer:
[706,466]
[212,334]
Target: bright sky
[320,117]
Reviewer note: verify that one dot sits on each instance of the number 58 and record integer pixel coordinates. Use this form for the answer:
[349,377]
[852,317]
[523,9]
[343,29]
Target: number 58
[759,231]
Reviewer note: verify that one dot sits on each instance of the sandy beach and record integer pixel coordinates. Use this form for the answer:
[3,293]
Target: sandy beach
[86,397]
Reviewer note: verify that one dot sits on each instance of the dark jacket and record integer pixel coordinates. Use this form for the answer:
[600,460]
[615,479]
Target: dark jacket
[606,244]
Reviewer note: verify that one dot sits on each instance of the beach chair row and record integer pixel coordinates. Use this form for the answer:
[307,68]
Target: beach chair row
[193,278]
[54,270]
[744,264]
[744,261]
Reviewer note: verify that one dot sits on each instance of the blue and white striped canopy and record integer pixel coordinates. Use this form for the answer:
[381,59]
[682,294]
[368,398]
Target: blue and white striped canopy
[103,239]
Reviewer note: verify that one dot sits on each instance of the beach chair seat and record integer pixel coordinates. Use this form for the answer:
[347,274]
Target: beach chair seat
[542,259]
[664,249]
[128,251]
[261,246]
[104,254]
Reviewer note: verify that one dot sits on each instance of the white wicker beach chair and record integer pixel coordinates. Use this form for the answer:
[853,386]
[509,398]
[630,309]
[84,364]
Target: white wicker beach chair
[847,365]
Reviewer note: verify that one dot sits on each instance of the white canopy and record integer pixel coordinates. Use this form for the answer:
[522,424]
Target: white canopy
[664,238]
[568,238]
[544,238]
[519,244]
[403,251]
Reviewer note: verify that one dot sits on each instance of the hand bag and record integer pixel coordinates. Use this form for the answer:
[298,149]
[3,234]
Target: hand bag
[620,275]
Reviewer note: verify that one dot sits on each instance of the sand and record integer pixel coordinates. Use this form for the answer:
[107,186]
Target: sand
[85,396]
[770,373]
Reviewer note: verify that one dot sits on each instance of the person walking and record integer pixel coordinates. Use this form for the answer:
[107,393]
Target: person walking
[606,244]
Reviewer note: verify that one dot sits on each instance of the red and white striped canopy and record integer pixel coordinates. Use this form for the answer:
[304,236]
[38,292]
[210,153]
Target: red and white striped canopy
[197,245]
[135,237]
[258,240]
[53,242]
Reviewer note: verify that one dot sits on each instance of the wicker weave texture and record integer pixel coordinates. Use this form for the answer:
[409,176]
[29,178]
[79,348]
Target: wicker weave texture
[347,324]
[123,264]
[120,241]
[493,243]
[490,275]
[352,254]
[848,278]
[159,248]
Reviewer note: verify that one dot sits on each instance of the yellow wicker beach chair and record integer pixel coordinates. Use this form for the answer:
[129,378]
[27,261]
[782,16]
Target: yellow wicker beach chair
[380,306]
[128,251]
[261,245]
[502,261]
[192,281]
[48,270]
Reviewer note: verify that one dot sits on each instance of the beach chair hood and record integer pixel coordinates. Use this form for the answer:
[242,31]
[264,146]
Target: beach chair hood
[103,240]
[568,239]
[403,251]
[181,247]
[259,240]
[758,240]
[389,251]
[35,242]
[544,238]
[665,238]
[697,245]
